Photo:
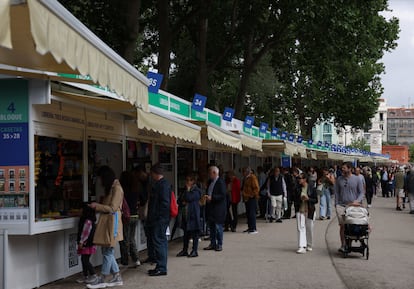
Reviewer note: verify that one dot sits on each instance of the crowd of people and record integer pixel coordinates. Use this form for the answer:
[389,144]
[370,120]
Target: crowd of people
[210,207]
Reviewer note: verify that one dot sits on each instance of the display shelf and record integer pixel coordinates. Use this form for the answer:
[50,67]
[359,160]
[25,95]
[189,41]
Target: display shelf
[59,179]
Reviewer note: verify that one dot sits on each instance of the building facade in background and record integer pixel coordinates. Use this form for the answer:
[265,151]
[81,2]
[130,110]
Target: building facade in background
[400,122]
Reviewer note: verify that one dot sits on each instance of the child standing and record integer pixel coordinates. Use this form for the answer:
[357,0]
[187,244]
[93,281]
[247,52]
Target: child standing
[86,230]
[190,223]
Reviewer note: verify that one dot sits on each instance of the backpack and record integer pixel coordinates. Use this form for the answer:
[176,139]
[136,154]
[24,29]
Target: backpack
[173,206]
[126,213]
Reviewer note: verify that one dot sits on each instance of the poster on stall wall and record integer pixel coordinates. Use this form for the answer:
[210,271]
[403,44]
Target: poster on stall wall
[286,161]
[14,148]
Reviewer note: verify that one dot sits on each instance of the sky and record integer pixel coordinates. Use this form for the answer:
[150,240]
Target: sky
[398,80]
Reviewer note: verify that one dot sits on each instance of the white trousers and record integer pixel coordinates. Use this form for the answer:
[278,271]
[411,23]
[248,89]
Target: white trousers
[305,230]
[411,201]
[276,202]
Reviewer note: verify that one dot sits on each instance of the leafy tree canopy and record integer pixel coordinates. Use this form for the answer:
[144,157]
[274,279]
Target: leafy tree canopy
[290,63]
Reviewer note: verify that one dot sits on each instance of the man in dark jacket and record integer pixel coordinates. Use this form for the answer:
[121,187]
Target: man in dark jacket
[216,208]
[276,187]
[159,218]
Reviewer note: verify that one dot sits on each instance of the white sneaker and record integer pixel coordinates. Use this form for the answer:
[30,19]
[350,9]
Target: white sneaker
[253,232]
[301,251]
[342,249]
[91,279]
[115,281]
[309,248]
[137,263]
[99,283]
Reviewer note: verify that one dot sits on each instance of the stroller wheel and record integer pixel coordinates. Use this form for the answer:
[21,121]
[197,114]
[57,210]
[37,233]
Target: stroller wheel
[345,252]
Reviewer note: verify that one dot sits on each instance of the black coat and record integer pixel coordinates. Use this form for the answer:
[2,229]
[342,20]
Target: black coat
[216,208]
[159,203]
[313,200]
[192,199]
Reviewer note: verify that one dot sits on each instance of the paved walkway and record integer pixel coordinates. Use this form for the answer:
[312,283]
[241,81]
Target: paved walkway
[268,259]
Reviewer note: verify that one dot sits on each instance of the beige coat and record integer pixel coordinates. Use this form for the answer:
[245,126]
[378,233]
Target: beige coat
[111,204]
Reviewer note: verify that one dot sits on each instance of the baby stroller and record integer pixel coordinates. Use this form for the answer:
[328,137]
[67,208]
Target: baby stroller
[356,220]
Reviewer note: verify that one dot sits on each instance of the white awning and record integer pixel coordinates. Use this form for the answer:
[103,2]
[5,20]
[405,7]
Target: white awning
[5,35]
[335,156]
[42,35]
[167,125]
[216,134]
[301,149]
[312,154]
[227,138]
[366,159]
[290,149]
[251,142]
[274,146]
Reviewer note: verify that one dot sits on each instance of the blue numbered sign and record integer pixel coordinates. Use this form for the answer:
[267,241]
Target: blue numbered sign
[228,114]
[300,139]
[291,137]
[155,81]
[199,101]
[284,135]
[275,130]
[263,127]
[248,121]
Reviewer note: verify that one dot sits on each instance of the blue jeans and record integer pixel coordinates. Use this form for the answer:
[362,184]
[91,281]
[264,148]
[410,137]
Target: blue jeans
[150,242]
[216,234]
[109,264]
[160,242]
[325,207]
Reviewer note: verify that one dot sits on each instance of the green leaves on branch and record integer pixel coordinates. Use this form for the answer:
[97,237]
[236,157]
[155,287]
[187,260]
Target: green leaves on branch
[286,62]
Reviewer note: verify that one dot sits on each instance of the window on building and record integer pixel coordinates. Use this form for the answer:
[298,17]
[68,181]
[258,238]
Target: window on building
[327,138]
[381,115]
[327,128]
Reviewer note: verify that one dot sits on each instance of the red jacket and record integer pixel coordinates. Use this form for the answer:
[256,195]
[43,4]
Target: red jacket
[235,191]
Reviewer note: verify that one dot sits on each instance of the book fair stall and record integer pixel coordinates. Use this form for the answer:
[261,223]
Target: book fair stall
[65,114]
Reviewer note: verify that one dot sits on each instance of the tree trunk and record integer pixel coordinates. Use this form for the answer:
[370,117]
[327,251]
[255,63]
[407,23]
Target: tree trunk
[201,84]
[164,49]
[247,69]
[130,11]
